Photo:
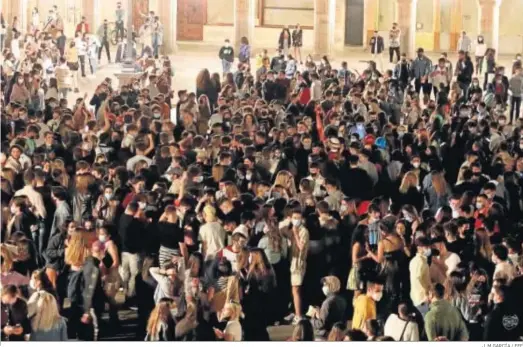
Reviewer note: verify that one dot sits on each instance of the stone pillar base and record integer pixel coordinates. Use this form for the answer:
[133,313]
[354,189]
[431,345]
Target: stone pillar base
[126,77]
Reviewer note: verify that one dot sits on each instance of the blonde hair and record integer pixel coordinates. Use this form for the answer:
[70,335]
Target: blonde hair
[7,258]
[286,180]
[77,250]
[218,172]
[257,264]
[233,289]
[410,180]
[46,315]
[231,191]
[483,243]
[209,213]
[235,309]
[82,183]
[336,334]
[439,183]
[161,312]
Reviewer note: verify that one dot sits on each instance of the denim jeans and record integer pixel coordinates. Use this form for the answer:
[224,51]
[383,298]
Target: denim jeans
[119,30]
[62,92]
[81,58]
[515,106]
[93,63]
[156,44]
[226,66]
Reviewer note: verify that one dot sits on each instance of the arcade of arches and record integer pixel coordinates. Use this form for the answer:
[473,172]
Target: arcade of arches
[329,25]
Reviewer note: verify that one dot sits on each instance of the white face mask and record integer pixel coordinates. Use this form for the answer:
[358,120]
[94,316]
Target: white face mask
[108,196]
[32,284]
[325,290]
[102,238]
[296,222]
[141,205]
[156,115]
[377,296]
[493,259]
[479,205]
[416,164]
[198,179]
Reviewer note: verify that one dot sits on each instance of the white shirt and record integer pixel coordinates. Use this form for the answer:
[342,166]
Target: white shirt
[213,235]
[394,327]
[234,328]
[81,46]
[15,48]
[481,49]
[506,270]
[452,262]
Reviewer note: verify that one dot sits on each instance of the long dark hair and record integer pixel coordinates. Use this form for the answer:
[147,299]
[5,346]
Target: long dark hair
[203,80]
[359,234]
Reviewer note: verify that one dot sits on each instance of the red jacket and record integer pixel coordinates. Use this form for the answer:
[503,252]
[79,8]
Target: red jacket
[85,28]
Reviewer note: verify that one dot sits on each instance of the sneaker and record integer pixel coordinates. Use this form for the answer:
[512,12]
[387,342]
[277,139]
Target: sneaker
[289,318]
[296,320]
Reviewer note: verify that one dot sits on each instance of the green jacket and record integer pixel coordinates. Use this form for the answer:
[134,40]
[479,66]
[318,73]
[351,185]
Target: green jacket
[443,319]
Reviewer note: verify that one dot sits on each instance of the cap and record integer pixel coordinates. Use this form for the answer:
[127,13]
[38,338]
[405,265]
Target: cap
[241,229]
[381,142]
[369,139]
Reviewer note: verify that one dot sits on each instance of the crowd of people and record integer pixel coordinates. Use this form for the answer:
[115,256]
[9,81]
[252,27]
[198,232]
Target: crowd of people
[381,205]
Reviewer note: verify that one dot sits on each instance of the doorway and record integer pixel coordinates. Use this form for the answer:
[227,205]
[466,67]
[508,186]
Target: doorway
[354,23]
[192,15]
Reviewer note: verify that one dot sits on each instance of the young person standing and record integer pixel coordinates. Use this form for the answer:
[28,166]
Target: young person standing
[227,56]
[394,42]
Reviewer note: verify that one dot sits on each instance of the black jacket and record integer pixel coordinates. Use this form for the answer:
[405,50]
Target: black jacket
[376,49]
[130,231]
[54,254]
[270,89]
[465,71]
[227,54]
[13,315]
[362,190]
[504,323]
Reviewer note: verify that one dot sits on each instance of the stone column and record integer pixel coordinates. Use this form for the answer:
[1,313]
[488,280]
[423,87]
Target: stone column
[322,37]
[489,22]
[456,18]
[168,11]
[244,19]
[407,24]
[370,20]
[340,8]
[436,21]
[90,10]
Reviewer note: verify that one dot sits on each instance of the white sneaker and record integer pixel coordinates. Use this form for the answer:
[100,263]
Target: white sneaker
[296,320]
[289,317]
